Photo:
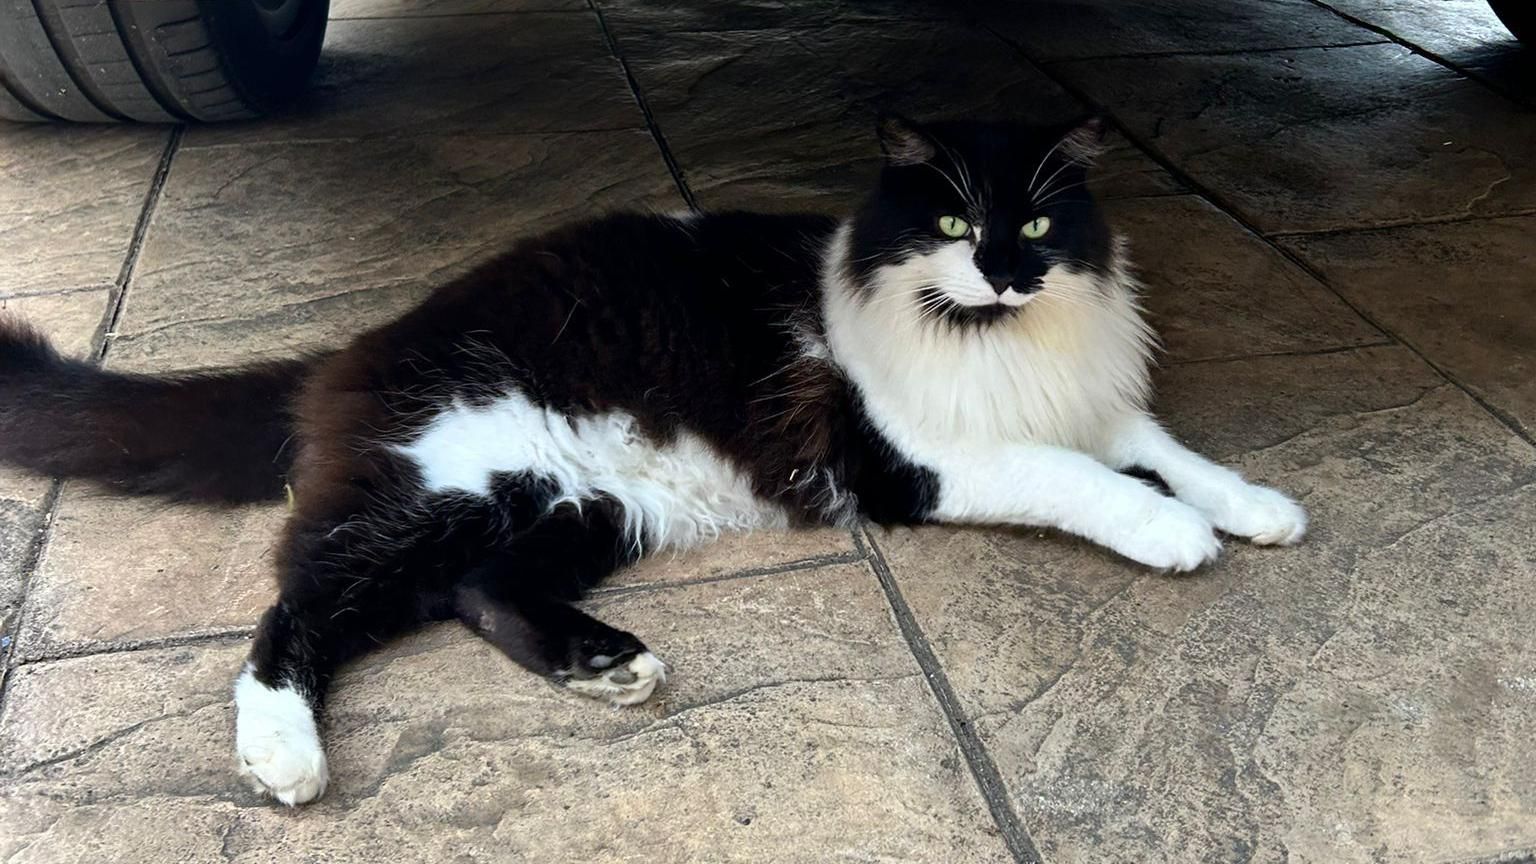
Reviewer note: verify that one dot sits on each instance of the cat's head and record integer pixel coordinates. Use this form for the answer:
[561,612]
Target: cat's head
[971,222]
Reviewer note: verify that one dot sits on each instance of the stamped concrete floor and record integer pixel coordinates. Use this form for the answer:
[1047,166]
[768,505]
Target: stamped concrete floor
[1334,204]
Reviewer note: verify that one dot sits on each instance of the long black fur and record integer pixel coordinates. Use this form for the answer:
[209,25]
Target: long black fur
[214,437]
[696,325]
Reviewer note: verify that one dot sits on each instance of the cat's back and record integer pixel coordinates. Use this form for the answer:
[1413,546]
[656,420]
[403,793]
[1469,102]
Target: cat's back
[730,255]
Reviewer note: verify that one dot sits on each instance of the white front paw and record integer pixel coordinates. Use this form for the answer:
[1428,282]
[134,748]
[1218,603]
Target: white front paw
[1260,514]
[1176,537]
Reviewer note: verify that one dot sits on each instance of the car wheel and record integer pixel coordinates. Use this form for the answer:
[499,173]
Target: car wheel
[155,61]
[1519,16]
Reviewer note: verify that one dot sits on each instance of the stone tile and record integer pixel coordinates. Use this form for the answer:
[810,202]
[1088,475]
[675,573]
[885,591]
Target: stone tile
[368,229]
[71,320]
[69,198]
[719,638]
[702,16]
[341,9]
[1070,29]
[1463,32]
[1459,292]
[1230,294]
[537,72]
[120,570]
[739,553]
[21,529]
[784,119]
[56,711]
[123,571]
[1124,171]
[1356,698]
[1326,138]
[795,720]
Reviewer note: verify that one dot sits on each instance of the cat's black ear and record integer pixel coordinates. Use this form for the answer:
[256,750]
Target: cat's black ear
[1084,141]
[904,142]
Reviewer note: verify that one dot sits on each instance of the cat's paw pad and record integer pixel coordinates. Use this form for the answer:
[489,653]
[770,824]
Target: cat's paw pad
[1177,537]
[277,743]
[1262,515]
[624,683]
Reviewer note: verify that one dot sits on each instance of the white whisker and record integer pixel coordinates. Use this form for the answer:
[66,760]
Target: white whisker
[1043,160]
[1046,186]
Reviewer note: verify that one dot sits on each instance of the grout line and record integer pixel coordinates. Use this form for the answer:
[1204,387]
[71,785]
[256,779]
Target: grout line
[1204,191]
[237,634]
[645,109]
[1463,71]
[858,541]
[1220,52]
[407,136]
[1299,352]
[486,13]
[136,245]
[34,557]
[772,570]
[988,780]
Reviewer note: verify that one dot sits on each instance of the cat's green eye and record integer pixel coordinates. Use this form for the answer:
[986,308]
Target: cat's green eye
[1036,228]
[954,227]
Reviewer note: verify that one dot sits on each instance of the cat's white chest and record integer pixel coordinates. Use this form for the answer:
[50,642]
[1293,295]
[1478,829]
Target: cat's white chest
[1057,373]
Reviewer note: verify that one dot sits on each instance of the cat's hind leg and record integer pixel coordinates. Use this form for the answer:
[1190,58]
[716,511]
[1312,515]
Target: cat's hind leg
[519,599]
[347,587]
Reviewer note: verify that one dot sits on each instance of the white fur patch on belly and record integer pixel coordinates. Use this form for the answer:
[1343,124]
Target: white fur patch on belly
[677,494]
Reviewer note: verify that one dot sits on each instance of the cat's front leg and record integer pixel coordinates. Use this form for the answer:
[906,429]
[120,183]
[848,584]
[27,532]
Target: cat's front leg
[1058,488]
[1233,505]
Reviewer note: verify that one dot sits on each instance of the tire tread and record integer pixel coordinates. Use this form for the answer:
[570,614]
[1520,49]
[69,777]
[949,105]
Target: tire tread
[116,60]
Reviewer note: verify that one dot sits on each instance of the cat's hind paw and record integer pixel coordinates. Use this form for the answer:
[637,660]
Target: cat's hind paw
[277,742]
[623,684]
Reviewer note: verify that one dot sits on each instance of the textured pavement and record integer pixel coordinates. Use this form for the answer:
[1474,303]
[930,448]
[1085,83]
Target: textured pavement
[1334,204]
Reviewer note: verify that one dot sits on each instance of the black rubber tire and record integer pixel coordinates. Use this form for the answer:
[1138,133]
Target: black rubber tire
[1519,16]
[155,61]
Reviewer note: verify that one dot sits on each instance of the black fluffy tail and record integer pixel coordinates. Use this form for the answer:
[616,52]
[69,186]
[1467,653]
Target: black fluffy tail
[218,437]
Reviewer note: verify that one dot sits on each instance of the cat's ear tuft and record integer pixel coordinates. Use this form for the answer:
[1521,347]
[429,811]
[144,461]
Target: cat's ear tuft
[1084,142]
[904,142]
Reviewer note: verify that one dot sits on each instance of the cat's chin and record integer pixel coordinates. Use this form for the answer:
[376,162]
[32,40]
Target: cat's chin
[983,314]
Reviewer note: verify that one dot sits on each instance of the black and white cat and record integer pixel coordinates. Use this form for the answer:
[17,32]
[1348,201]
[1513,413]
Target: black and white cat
[967,348]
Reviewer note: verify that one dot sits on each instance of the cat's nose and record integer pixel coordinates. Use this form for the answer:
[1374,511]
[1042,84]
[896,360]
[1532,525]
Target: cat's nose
[1000,283]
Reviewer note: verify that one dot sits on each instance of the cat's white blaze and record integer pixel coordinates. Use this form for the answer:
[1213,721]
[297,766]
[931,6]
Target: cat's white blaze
[674,494]
[1063,372]
[277,741]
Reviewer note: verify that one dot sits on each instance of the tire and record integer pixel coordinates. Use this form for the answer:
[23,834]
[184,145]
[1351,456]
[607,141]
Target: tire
[155,61]
[1519,16]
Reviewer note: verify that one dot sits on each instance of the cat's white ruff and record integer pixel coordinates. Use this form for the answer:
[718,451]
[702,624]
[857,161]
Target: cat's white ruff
[1025,420]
